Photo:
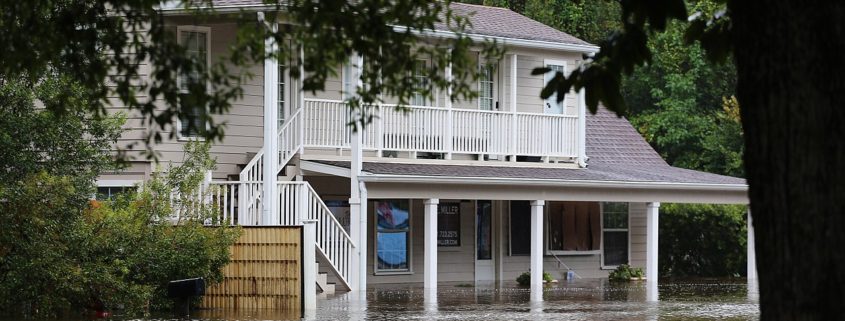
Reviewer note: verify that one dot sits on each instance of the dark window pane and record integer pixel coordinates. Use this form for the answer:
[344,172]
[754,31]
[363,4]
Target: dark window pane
[615,215]
[615,248]
[520,228]
[484,223]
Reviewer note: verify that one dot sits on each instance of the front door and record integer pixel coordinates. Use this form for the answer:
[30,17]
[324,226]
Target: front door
[484,267]
[551,105]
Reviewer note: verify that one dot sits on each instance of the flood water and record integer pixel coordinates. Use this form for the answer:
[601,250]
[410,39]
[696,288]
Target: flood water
[578,300]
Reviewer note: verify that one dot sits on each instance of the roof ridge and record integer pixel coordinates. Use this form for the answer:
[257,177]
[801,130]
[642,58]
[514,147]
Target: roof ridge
[483,6]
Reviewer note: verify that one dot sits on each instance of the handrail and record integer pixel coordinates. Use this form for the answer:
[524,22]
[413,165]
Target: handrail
[333,219]
[444,108]
[559,263]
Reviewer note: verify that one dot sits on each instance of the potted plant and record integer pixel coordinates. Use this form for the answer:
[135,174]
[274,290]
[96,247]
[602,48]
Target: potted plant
[626,273]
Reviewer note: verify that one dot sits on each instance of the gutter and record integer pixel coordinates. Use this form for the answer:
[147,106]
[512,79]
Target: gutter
[387,178]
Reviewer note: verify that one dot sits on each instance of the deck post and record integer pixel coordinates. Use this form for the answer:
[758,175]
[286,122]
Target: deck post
[447,144]
[309,260]
[271,136]
[652,211]
[514,131]
[430,242]
[537,250]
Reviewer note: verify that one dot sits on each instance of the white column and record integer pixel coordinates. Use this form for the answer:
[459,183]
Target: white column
[309,260]
[752,255]
[514,59]
[652,210]
[537,250]
[270,214]
[355,213]
[448,103]
[362,241]
[582,130]
[430,242]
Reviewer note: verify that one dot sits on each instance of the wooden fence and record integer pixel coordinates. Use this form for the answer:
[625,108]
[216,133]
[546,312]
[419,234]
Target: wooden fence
[265,272]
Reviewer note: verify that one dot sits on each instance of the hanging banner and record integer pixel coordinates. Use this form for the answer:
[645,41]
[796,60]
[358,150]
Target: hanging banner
[449,224]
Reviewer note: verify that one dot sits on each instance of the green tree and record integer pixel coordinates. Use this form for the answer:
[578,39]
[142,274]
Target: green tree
[789,84]
[702,240]
[59,251]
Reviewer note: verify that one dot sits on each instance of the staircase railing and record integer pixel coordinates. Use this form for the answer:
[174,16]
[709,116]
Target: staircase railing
[290,138]
[299,201]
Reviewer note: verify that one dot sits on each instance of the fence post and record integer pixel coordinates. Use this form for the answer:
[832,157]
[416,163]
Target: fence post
[309,260]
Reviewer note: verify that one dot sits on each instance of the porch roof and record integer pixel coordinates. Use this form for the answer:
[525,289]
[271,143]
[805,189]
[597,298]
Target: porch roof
[617,154]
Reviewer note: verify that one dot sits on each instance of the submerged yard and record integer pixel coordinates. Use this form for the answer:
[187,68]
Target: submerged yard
[579,300]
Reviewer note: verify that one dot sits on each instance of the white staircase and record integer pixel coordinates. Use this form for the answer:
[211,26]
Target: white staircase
[297,201]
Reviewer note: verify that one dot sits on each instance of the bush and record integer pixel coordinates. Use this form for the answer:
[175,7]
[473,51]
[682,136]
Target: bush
[62,257]
[625,272]
[702,240]
[524,279]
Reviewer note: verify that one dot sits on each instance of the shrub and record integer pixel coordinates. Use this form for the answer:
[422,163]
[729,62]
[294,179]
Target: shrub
[524,279]
[702,240]
[625,272]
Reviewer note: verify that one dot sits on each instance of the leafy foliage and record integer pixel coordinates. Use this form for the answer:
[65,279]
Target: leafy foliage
[702,240]
[524,279]
[61,252]
[625,272]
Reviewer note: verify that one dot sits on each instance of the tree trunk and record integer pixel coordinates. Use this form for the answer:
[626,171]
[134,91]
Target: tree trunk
[790,58]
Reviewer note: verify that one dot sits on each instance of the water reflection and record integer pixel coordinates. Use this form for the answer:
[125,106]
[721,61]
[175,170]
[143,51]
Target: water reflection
[580,300]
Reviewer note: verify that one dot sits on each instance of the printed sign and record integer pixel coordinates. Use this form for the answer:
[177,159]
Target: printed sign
[449,224]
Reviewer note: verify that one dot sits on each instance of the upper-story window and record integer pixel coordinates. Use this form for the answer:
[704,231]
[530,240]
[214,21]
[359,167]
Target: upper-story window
[196,41]
[552,106]
[486,87]
[420,78]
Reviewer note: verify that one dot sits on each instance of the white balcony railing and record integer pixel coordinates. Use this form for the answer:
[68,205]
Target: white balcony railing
[441,130]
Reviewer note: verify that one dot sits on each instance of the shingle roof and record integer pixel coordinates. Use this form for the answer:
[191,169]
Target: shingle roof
[502,22]
[486,21]
[617,154]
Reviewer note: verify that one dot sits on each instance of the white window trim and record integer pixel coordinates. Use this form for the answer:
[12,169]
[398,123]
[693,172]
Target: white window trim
[410,241]
[207,31]
[613,267]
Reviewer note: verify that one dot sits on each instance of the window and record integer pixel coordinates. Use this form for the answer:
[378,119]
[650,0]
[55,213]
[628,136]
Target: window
[420,79]
[196,42]
[615,233]
[520,228]
[485,87]
[111,192]
[484,230]
[552,105]
[393,236]
[574,227]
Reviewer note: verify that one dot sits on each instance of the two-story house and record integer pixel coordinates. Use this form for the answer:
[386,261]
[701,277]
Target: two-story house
[478,190]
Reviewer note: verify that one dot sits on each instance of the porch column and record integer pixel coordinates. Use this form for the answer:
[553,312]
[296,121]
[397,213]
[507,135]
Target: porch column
[537,250]
[751,265]
[652,210]
[356,210]
[270,216]
[448,104]
[430,242]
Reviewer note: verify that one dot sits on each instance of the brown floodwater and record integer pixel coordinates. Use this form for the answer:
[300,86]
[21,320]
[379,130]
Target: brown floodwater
[715,299]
